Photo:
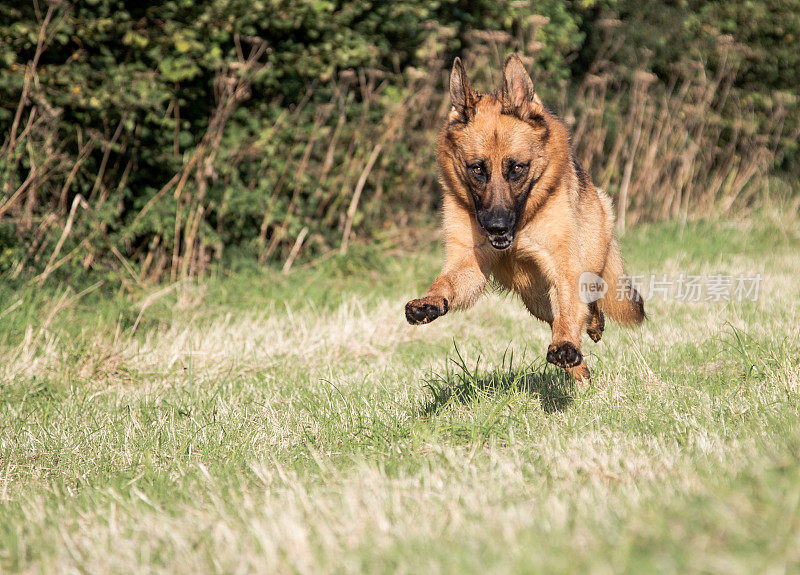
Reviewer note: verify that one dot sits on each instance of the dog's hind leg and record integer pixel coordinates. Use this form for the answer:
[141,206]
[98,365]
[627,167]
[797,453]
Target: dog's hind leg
[580,372]
[597,322]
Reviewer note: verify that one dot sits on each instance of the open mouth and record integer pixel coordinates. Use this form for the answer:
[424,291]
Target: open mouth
[500,242]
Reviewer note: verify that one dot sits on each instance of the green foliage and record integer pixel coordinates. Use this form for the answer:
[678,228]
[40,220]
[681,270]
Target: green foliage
[178,148]
[759,39]
[141,83]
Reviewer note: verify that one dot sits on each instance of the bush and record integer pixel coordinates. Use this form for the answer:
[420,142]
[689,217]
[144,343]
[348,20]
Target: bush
[152,140]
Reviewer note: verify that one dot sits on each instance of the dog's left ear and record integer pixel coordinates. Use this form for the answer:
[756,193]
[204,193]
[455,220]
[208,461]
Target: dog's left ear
[519,97]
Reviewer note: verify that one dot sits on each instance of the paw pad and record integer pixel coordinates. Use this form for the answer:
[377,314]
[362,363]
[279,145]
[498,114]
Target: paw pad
[421,311]
[564,354]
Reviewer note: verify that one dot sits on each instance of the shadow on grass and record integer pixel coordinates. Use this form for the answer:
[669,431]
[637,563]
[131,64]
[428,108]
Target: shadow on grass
[459,383]
[554,390]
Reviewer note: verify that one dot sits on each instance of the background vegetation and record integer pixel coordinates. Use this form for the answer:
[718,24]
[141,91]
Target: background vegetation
[144,141]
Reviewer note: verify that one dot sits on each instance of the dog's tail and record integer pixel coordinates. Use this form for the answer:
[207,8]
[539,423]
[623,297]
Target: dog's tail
[622,302]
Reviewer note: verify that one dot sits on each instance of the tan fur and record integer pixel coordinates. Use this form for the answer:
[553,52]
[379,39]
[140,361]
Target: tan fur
[564,226]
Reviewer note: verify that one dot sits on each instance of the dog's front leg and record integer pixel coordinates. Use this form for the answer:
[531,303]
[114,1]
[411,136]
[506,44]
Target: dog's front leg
[458,285]
[570,315]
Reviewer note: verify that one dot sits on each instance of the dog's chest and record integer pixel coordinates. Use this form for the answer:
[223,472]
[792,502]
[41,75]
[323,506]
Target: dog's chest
[520,276]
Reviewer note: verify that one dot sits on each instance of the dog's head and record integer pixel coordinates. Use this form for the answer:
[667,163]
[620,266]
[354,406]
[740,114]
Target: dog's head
[494,148]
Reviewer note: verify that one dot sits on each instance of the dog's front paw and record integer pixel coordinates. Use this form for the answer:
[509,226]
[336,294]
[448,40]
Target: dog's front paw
[425,310]
[564,354]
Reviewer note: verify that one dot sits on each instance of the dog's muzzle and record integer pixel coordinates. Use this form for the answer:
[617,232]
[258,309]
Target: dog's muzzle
[499,228]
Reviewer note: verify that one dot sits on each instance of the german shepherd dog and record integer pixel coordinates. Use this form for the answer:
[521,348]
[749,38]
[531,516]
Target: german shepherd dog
[518,208]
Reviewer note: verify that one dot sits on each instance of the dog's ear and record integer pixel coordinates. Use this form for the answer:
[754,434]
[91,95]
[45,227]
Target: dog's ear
[461,93]
[519,97]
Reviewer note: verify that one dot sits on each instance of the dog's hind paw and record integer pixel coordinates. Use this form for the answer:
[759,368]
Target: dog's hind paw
[595,334]
[581,374]
[597,323]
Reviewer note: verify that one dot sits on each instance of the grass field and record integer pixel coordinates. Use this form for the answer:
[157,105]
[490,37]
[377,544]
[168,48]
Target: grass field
[257,422]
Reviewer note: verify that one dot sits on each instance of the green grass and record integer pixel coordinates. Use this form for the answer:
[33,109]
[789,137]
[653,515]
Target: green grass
[257,422]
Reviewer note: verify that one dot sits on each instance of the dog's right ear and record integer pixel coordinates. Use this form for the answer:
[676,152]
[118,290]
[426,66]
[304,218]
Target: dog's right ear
[462,95]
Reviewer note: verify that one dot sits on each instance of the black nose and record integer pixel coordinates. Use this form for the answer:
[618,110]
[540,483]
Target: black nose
[497,225]
[497,228]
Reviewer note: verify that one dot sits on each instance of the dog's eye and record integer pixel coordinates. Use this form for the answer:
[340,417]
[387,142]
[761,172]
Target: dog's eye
[477,170]
[517,168]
